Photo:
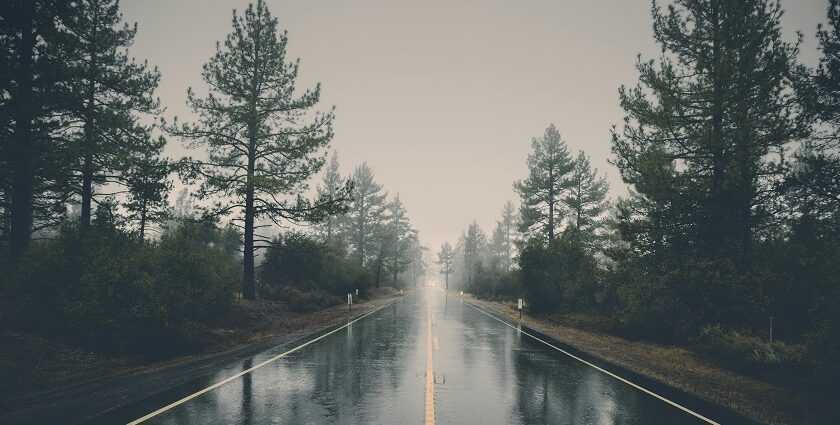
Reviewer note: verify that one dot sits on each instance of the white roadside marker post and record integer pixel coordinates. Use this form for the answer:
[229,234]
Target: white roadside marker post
[350,302]
[520,308]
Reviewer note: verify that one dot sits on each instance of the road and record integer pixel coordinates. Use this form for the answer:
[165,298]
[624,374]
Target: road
[427,358]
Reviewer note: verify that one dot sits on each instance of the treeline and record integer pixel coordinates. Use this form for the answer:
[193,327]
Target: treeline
[729,236]
[91,249]
[556,238]
[371,244]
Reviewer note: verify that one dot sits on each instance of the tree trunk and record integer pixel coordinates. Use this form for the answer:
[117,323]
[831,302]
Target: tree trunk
[143,221]
[360,227]
[745,170]
[87,166]
[249,291]
[87,186]
[715,227]
[23,157]
[551,207]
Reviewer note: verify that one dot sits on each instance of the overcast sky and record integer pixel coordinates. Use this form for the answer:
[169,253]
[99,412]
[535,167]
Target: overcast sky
[441,97]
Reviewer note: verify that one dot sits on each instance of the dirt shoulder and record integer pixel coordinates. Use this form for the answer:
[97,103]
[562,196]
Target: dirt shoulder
[38,373]
[681,368]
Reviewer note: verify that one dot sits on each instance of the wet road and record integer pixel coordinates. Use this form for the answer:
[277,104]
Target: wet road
[375,371]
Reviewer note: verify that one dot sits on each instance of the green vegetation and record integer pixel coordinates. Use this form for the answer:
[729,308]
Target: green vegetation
[726,241]
[300,262]
[112,292]
[91,252]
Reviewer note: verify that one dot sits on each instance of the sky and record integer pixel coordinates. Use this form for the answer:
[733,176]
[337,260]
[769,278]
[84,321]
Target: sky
[441,98]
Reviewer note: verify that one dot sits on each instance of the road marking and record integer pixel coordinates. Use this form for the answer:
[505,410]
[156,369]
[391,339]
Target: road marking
[225,381]
[437,344]
[430,368]
[638,387]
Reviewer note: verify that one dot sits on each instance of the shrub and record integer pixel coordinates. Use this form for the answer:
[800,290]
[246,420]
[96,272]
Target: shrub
[491,283]
[823,341]
[559,275]
[749,352]
[118,294]
[300,301]
[298,261]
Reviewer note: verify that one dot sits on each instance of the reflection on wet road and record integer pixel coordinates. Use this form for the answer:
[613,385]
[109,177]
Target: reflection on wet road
[374,371]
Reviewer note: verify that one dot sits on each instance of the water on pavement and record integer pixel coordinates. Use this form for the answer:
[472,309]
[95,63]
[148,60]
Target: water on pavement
[374,371]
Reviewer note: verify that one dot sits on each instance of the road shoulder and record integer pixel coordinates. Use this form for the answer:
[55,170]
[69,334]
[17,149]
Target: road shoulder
[681,369]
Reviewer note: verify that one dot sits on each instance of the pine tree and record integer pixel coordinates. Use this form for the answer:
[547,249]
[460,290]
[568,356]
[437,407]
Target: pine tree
[705,133]
[475,244]
[496,247]
[365,216]
[542,193]
[33,77]
[263,143]
[509,226]
[111,90]
[446,261]
[703,147]
[815,179]
[587,200]
[399,238]
[417,254]
[148,186]
[331,186]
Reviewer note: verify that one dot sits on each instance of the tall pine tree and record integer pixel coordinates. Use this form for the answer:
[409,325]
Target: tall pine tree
[706,129]
[263,143]
[703,147]
[33,84]
[331,186]
[111,92]
[587,201]
[446,261]
[365,217]
[542,193]
[148,186]
[399,237]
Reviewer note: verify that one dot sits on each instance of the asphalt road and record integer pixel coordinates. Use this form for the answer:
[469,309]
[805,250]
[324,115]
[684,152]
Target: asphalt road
[427,358]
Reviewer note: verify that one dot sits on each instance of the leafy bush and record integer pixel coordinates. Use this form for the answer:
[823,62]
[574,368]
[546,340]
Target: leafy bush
[560,275]
[118,294]
[298,261]
[824,340]
[492,283]
[750,352]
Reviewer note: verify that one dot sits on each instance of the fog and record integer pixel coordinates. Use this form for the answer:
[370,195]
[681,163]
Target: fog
[441,98]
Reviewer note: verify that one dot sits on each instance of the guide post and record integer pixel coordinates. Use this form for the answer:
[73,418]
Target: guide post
[520,308]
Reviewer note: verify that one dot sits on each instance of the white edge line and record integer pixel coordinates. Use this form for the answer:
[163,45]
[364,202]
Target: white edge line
[638,387]
[225,381]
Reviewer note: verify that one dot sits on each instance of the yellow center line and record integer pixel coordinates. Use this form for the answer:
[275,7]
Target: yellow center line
[430,370]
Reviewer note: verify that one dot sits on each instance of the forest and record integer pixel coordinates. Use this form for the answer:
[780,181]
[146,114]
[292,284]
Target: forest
[92,248]
[728,237]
